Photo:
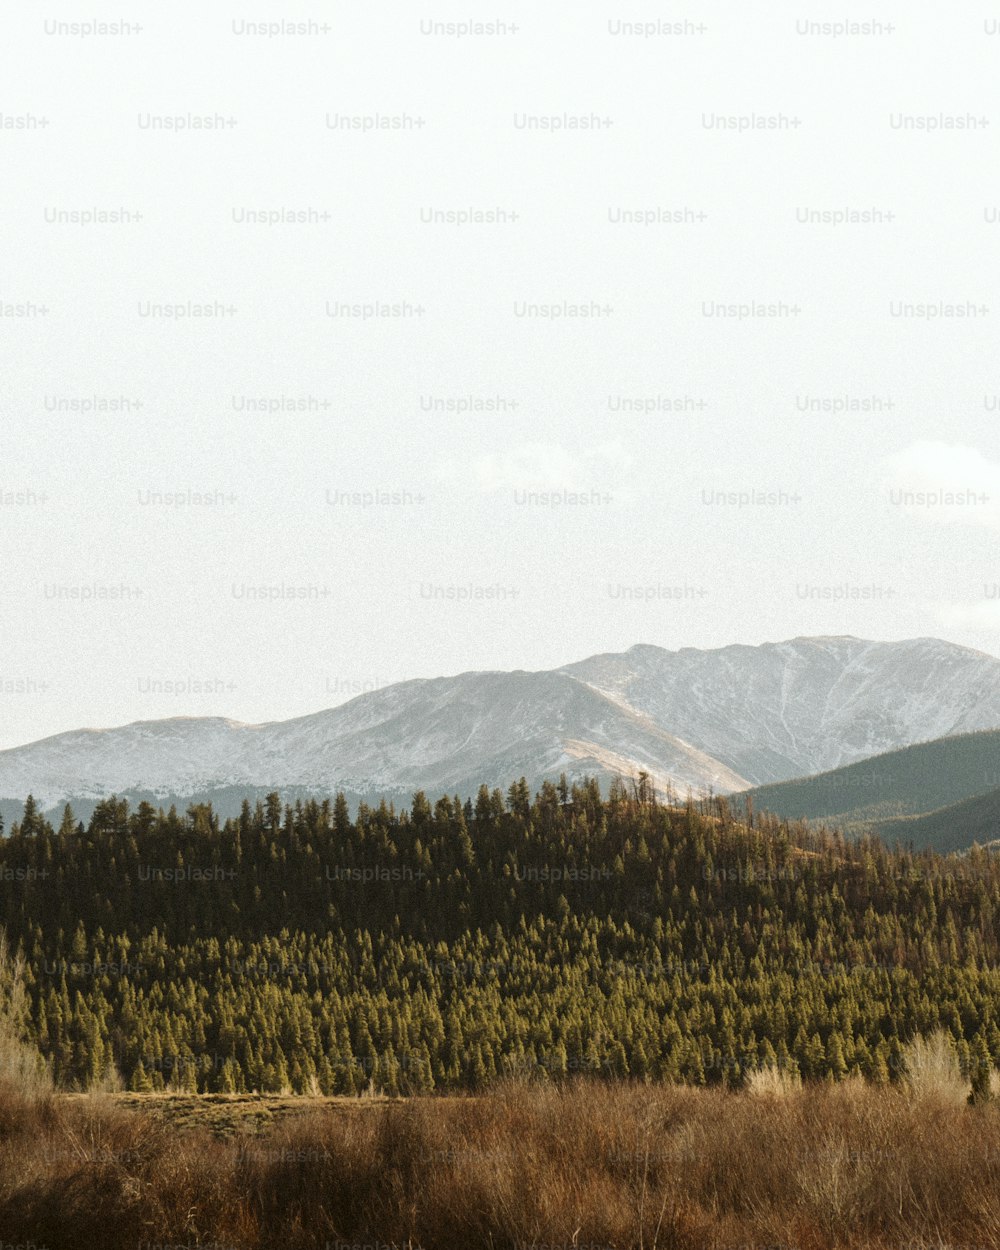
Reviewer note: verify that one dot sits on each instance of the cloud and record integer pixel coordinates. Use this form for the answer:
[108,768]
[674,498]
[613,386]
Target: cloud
[945,482]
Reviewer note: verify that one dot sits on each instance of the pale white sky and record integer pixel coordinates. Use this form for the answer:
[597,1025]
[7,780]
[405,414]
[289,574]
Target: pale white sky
[652,408]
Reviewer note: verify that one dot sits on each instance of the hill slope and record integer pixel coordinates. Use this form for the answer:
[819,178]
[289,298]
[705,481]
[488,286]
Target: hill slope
[439,949]
[915,779]
[953,828]
[943,794]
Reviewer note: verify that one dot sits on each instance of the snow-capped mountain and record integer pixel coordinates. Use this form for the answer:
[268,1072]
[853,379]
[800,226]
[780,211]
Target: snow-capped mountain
[788,709]
[447,734]
[699,720]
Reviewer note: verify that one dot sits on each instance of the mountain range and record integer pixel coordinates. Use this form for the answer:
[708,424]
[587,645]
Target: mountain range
[725,720]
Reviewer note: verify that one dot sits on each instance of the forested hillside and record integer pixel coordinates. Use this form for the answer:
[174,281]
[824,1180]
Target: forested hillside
[952,828]
[869,795]
[438,947]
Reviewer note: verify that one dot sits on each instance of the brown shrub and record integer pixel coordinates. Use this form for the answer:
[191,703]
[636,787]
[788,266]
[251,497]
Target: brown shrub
[580,1165]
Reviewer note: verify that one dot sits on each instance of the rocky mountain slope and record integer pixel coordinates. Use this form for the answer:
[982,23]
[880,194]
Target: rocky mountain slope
[788,709]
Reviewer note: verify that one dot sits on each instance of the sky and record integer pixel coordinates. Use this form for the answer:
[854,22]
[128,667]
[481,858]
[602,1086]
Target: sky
[584,327]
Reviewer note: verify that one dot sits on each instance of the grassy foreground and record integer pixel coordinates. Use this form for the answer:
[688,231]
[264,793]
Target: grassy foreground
[583,1165]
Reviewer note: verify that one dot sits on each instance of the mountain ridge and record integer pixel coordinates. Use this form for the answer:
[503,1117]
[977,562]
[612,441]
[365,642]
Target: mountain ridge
[724,720]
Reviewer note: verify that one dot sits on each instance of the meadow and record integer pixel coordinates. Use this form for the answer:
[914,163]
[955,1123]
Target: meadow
[583,1164]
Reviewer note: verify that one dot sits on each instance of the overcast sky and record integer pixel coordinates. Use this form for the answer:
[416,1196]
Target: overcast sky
[366,526]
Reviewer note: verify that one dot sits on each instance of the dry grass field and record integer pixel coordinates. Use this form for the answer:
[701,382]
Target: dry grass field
[580,1166]
[225,1116]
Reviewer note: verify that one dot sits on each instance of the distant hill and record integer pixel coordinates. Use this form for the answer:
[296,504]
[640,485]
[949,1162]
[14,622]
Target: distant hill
[953,828]
[943,794]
